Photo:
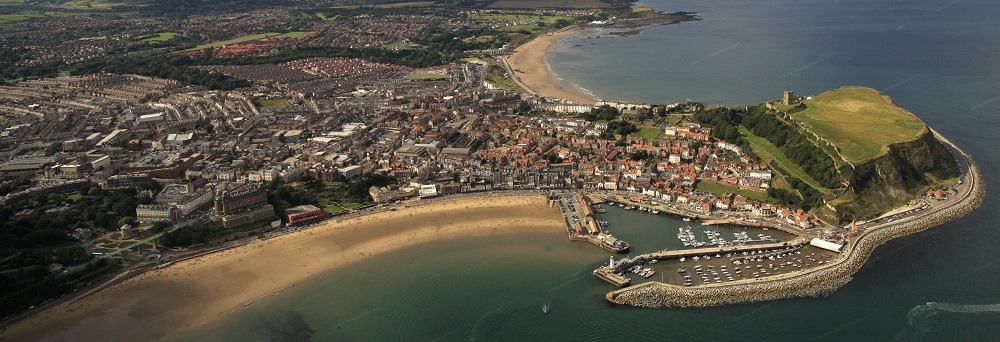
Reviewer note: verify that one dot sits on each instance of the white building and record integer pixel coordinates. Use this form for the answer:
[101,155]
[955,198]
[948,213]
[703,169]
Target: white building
[155,213]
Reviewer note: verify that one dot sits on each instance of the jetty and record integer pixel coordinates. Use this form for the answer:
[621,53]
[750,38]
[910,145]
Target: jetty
[679,253]
[582,224]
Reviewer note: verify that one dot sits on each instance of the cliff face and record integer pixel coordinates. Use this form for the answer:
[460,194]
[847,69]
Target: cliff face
[898,176]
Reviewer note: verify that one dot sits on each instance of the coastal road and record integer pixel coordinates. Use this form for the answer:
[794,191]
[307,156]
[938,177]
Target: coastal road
[964,189]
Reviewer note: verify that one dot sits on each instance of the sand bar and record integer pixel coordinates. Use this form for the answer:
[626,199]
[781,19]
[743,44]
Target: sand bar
[193,292]
[528,64]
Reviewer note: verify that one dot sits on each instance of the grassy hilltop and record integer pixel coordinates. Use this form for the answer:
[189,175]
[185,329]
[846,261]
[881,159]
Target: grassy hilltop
[860,121]
[848,153]
[887,155]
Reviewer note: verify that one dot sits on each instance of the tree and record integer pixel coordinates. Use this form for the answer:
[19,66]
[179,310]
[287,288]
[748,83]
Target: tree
[129,220]
[160,226]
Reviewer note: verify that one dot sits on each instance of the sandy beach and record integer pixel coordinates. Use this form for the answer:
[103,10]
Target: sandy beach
[528,64]
[193,292]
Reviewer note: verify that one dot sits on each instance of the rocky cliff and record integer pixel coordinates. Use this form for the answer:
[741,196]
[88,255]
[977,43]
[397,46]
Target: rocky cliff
[896,177]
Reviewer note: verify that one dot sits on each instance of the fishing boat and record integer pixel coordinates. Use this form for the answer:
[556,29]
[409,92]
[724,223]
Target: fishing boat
[687,219]
[545,308]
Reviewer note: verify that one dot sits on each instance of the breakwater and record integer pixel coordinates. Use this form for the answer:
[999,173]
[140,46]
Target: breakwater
[819,282]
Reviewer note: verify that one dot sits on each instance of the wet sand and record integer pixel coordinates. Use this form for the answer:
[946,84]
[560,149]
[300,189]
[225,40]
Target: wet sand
[193,292]
[528,64]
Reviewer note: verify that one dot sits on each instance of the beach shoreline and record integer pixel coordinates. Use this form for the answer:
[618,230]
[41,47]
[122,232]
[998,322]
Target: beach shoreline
[530,70]
[190,293]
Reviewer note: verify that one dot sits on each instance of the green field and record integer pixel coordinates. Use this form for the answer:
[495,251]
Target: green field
[293,34]
[549,4]
[765,149]
[425,76]
[235,40]
[162,37]
[28,15]
[533,29]
[88,4]
[649,133]
[273,103]
[718,188]
[548,19]
[861,121]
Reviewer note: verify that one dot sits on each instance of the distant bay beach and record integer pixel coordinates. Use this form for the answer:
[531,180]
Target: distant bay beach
[531,71]
[190,293]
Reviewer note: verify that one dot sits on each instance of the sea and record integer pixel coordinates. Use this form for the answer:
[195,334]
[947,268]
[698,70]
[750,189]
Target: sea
[940,59]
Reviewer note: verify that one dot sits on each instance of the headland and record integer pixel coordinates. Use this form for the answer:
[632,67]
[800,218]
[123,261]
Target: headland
[820,280]
[190,293]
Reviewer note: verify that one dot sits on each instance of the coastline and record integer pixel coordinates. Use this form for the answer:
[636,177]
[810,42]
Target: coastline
[530,70]
[189,293]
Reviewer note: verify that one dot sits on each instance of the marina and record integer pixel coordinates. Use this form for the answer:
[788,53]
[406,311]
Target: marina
[689,254]
[714,238]
[698,267]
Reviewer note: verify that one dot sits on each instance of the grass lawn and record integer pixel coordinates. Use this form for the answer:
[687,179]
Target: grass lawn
[333,209]
[294,34]
[273,103]
[425,76]
[861,121]
[649,133]
[162,37]
[673,119]
[235,40]
[718,188]
[496,75]
[765,149]
[75,197]
[352,205]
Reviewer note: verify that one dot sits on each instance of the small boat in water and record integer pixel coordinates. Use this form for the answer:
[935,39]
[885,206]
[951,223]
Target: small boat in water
[545,308]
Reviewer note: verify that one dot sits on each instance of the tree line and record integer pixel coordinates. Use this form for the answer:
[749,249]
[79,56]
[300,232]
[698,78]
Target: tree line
[795,144]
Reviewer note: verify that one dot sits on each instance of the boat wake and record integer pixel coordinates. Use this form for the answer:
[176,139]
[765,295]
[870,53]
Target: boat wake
[576,276]
[352,319]
[919,316]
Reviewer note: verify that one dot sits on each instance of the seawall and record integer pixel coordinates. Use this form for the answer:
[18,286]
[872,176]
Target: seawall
[815,283]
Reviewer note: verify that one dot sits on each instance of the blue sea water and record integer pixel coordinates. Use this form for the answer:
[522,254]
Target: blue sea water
[940,59]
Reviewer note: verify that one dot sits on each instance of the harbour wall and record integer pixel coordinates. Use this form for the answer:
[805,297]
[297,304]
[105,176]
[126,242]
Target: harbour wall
[814,283]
